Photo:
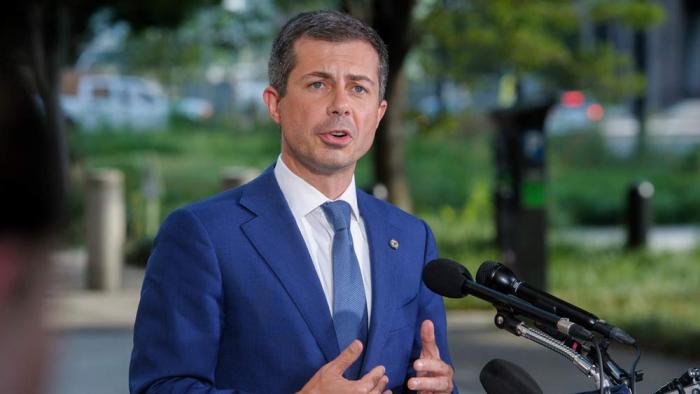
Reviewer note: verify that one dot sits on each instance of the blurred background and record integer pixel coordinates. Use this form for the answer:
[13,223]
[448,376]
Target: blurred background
[560,137]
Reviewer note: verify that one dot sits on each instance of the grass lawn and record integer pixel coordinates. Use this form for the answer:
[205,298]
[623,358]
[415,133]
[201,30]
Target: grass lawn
[656,296]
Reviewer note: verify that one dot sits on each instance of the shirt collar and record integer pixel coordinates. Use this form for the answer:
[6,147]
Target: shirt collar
[304,198]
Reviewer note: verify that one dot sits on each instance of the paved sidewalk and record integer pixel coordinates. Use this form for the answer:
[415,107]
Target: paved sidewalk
[672,238]
[71,306]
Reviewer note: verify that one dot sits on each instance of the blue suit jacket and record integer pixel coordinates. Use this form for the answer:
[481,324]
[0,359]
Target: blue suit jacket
[231,302]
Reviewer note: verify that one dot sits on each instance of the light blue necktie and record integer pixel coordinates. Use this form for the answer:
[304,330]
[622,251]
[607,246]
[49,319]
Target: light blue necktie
[349,304]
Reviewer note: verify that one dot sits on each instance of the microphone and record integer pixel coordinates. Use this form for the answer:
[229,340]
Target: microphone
[503,377]
[451,279]
[498,277]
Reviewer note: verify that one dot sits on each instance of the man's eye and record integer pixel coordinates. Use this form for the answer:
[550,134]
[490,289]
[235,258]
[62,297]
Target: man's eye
[359,89]
[316,85]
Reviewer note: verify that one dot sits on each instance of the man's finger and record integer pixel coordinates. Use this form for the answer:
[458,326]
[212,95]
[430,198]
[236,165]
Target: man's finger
[373,377]
[433,366]
[381,384]
[427,335]
[347,357]
[439,384]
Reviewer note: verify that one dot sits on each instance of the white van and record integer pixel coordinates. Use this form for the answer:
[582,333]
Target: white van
[114,101]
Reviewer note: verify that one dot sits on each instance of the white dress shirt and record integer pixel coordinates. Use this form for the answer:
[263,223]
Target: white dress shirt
[305,203]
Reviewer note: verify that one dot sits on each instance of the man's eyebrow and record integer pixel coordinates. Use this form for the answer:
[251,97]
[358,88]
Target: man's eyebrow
[318,74]
[355,77]
[326,75]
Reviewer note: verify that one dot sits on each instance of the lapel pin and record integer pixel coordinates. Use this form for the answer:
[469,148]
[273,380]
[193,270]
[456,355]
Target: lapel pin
[394,244]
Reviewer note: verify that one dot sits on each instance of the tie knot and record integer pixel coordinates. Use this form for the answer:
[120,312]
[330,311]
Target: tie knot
[338,214]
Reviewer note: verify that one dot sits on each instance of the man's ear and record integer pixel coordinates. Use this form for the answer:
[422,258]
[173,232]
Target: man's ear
[272,101]
[381,111]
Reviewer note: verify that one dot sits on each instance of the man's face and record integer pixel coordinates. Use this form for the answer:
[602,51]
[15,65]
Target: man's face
[331,109]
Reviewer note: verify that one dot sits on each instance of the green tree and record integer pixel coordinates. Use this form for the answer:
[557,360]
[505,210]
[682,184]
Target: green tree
[549,40]
[210,35]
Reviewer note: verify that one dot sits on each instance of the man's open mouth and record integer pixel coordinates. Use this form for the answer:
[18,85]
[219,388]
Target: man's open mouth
[337,137]
[338,133]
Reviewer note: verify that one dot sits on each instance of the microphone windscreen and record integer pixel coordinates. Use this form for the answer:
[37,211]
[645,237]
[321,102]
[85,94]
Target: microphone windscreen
[446,277]
[503,377]
[486,270]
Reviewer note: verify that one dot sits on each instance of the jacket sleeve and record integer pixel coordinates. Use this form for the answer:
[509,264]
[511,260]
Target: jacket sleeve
[178,323]
[431,307]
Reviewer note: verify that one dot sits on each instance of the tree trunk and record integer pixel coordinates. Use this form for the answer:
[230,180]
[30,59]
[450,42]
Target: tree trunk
[639,105]
[392,20]
[389,148]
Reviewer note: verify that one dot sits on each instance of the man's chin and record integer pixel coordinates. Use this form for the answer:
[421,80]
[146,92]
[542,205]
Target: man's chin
[335,166]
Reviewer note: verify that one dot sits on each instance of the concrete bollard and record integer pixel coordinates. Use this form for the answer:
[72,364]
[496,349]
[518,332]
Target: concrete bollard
[106,228]
[639,213]
[236,176]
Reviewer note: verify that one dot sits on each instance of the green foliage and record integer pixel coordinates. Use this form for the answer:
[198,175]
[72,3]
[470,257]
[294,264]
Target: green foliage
[638,14]
[444,173]
[648,293]
[605,72]
[467,40]
[482,36]
[587,185]
[466,235]
[210,36]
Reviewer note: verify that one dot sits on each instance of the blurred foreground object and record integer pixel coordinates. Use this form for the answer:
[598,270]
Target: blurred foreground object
[30,207]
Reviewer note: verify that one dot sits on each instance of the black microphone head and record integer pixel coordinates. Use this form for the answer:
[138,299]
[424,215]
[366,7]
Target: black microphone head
[496,276]
[503,377]
[446,277]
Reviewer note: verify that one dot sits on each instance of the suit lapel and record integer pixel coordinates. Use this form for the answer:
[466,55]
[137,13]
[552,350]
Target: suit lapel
[384,264]
[275,235]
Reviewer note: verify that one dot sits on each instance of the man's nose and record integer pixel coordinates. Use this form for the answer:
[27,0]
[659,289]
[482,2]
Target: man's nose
[339,105]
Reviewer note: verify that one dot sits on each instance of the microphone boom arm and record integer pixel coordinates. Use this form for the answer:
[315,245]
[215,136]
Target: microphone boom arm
[508,322]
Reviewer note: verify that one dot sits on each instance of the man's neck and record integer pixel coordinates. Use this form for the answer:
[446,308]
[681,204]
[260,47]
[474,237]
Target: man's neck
[331,185]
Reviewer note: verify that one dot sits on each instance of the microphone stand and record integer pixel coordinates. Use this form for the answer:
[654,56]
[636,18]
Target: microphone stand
[506,320]
[617,374]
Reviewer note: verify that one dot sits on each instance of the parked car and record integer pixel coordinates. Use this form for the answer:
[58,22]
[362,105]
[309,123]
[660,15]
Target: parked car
[193,108]
[680,120]
[574,112]
[675,129]
[114,101]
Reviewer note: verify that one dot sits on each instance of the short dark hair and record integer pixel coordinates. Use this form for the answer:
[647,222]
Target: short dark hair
[332,26]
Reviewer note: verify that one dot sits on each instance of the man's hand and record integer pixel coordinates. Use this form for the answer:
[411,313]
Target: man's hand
[433,376]
[329,379]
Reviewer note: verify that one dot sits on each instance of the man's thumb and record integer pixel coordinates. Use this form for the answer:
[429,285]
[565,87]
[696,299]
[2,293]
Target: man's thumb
[347,357]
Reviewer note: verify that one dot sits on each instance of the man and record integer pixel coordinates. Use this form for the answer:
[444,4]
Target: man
[297,281]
